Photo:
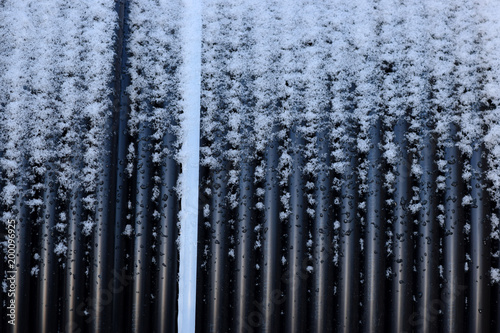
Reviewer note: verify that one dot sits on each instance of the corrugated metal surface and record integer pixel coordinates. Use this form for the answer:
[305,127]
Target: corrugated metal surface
[349,166]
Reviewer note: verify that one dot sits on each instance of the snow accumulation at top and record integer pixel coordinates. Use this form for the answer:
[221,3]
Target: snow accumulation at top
[56,61]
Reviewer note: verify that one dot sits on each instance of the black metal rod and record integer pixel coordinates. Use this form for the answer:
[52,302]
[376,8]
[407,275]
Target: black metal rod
[47,312]
[374,240]
[165,307]
[270,282]
[453,288]
[320,318]
[402,265]
[122,189]
[349,267]
[74,306]
[23,246]
[478,306]
[425,318]
[102,260]
[218,262]
[296,276]
[244,251]
[141,286]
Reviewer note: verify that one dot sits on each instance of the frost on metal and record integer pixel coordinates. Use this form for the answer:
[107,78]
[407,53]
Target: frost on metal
[316,165]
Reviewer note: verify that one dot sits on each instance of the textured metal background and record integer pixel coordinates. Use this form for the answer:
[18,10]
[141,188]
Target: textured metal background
[349,254]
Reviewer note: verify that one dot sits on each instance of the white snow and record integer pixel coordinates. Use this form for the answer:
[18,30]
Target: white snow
[128,230]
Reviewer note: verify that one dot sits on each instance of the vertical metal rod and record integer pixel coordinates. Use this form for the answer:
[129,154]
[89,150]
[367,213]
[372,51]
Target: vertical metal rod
[320,318]
[47,312]
[141,287]
[245,252]
[495,301]
[121,106]
[74,275]
[102,261]
[218,270]
[402,266]
[165,307]
[374,272]
[453,290]
[425,319]
[101,279]
[479,290]
[23,247]
[271,245]
[348,276]
[295,316]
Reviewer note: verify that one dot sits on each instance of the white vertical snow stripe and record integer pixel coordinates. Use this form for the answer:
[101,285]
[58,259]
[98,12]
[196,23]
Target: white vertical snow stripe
[190,82]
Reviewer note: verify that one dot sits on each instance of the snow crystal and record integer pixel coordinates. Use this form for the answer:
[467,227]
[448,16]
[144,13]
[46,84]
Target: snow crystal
[128,230]
[466,200]
[35,270]
[495,275]
[60,248]
[60,227]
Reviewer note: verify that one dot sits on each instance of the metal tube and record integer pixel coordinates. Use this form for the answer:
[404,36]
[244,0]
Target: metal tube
[425,318]
[402,266]
[349,268]
[23,247]
[245,253]
[374,240]
[47,312]
[296,276]
[165,307]
[73,318]
[270,284]
[322,298]
[218,263]
[141,286]
[122,188]
[453,289]
[478,306]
